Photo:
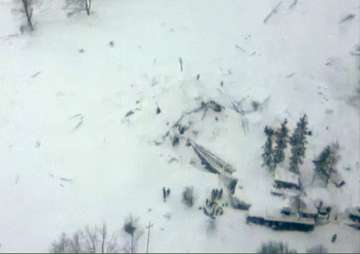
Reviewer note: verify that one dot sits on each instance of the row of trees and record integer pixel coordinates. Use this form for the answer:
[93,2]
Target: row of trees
[26,10]
[98,239]
[277,142]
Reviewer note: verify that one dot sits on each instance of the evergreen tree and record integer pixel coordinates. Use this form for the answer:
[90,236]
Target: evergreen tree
[281,140]
[325,163]
[268,154]
[298,142]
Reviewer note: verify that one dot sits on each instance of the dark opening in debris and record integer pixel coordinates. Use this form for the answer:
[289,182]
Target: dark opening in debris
[175,141]
[158,110]
[129,113]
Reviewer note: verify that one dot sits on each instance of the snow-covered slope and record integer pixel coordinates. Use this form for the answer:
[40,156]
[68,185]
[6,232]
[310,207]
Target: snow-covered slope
[69,156]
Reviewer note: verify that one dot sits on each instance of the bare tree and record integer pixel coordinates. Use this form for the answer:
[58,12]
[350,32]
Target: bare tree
[275,248]
[25,8]
[132,228]
[76,6]
[94,239]
[88,7]
[317,249]
[148,227]
[28,10]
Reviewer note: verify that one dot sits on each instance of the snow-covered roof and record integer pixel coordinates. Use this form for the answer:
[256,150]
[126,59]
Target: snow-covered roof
[215,162]
[355,211]
[267,208]
[337,179]
[305,205]
[275,215]
[292,219]
[241,194]
[285,192]
[283,175]
[319,195]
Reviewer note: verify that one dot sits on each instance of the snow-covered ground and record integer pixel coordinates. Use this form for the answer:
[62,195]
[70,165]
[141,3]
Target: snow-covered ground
[69,156]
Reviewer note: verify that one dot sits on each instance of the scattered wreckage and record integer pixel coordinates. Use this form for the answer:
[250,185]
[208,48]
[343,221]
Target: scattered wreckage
[336,179]
[216,165]
[353,217]
[178,130]
[238,200]
[212,163]
[182,132]
[299,214]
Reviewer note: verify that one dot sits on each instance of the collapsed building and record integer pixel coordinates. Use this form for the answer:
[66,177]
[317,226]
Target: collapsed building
[300,206]
[277,220]
[337,179]
[211,162]
[296,214]
[323,212]
[216,165]
[239,201]
[286,183]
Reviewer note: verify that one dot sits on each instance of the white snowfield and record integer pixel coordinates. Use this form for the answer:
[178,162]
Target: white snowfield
[69,157]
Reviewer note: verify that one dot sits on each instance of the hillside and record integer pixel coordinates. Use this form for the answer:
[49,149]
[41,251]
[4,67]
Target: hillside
[72,154]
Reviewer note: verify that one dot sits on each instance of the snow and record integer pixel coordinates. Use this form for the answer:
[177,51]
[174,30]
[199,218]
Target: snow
[283,175]
[300,59]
